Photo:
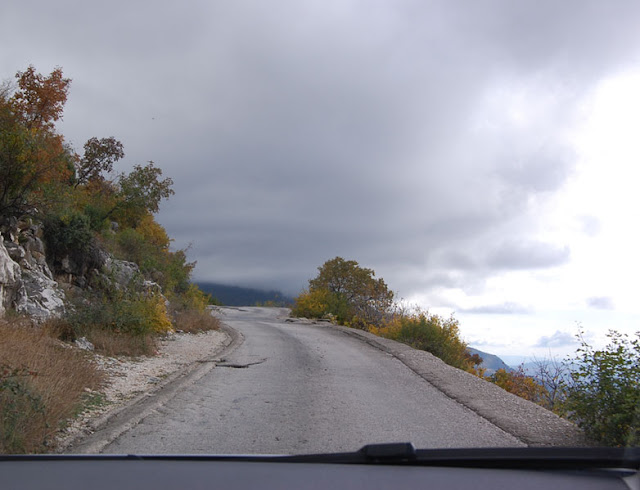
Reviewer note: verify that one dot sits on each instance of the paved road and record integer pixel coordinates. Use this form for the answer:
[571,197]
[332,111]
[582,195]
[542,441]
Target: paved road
[305,388]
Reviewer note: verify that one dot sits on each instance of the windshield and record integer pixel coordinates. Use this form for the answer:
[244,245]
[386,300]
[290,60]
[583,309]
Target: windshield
[297,227]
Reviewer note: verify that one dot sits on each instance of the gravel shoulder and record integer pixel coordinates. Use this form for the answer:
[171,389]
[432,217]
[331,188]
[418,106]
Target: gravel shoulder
[130,379]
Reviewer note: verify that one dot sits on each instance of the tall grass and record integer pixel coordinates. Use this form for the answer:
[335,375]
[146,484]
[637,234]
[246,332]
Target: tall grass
[42,383]
[194,321]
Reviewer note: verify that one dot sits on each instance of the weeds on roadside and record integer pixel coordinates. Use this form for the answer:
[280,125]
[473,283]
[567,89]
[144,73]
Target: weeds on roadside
[42,382]
[193,321]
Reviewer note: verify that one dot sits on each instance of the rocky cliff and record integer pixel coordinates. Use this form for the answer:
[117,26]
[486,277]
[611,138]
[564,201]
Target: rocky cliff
[26,282]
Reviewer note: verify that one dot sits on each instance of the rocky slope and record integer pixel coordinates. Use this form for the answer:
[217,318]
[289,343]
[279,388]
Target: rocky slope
[26,282]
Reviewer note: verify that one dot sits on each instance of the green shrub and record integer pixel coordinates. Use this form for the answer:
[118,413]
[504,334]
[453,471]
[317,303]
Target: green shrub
[431,333]
[70,236]
[126,313]
[65,234]
[604,396]
[148,246]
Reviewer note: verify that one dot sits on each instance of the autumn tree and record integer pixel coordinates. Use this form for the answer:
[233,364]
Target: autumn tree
[33,157]
[99,157]
[349,292]
[140,193]
[519,383]
[39,100]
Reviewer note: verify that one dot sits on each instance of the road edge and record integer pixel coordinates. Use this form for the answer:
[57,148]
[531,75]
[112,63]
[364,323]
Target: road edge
[112,424]
[525,420]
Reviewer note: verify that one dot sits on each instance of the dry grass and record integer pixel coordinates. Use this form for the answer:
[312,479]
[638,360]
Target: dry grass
[42,383]
[111,343]
[193,321]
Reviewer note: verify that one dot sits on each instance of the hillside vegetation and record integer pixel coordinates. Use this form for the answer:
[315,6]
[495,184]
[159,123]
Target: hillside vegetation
[599,390]
[77,235]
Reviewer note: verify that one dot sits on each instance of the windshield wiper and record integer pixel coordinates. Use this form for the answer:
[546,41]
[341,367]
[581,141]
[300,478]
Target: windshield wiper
[537,457]
[406,454]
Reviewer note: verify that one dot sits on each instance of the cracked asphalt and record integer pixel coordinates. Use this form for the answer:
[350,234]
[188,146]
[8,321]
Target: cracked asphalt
[299,388]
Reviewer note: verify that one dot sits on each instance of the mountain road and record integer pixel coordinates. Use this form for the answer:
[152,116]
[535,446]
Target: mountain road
[290,387]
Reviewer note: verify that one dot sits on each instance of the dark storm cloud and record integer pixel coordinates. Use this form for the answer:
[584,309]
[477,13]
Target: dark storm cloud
[410,136]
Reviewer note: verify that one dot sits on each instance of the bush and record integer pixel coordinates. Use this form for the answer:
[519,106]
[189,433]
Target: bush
[148,246]
[193,299]
[70,236]
[67,234]
[518,383]
[125,313]
[431,333]
[311,304]
[604,395]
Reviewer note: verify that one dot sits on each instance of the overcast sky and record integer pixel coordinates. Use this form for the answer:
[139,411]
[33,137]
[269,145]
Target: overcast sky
[481,156]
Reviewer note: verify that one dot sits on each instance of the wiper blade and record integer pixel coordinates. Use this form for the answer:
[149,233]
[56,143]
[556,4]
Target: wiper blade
[406,454]
[392,453]
[531,458]
[534,457]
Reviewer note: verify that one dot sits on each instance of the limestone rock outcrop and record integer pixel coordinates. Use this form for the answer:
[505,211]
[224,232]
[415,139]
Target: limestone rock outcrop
[10,279]
[26,283]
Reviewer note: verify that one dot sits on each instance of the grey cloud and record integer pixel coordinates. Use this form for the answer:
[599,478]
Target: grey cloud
[298,131]
[600,303]
[544,169]
[507,308]
[558,339]
[527,255]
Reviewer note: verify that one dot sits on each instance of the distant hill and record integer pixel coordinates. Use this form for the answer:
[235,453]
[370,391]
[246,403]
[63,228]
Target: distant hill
[240,296]
[490,362]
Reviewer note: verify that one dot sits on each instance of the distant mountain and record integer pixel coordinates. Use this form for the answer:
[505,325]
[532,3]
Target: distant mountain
[240,296]
[490,362]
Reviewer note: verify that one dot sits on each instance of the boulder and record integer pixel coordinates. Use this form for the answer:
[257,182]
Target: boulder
[84,344]
[122,272]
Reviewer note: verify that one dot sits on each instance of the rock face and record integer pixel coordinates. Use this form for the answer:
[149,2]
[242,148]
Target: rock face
[26,283]
[10,279]
[122,272]
[43,296]
[28,286]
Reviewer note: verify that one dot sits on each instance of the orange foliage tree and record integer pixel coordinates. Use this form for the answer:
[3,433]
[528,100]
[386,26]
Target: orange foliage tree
[518,383]
[33,157]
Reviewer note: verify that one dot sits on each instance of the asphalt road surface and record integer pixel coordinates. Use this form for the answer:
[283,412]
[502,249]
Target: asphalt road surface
[290,389]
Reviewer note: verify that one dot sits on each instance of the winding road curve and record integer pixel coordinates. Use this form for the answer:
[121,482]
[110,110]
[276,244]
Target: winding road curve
[300,388]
